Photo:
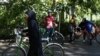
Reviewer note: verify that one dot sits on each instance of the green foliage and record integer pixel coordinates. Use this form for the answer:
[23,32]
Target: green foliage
[98,22]
[12,14]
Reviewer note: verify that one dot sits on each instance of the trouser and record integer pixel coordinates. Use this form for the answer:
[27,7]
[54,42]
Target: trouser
[84,35]
[70,35]
[49,32]
[92,32]
[71,32]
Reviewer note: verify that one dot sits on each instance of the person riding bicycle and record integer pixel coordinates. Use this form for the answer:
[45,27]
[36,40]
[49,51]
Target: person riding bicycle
[72,26]
[49,22]
[88,26]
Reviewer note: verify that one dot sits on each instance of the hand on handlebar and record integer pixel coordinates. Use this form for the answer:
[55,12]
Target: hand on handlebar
[56,25]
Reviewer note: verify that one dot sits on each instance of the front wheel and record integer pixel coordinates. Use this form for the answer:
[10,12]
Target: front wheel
[53,49]
[14,51]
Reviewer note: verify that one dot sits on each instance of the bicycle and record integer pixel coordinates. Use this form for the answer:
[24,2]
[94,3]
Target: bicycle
[53,49]
[19,49]
[56,37]
[90,36]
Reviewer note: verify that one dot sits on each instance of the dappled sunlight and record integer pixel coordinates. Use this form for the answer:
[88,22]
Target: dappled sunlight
[12,15]
[81,49]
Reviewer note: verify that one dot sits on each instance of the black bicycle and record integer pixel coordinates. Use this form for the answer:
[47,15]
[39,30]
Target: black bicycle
[56,37]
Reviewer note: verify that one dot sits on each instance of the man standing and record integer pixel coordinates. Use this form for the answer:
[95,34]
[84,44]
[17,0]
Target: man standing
[34,36]
[71,27]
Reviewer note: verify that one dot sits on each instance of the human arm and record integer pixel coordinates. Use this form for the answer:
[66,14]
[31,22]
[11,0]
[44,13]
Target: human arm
[54,22]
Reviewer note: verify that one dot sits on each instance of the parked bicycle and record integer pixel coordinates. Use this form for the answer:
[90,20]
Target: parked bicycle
[21,48]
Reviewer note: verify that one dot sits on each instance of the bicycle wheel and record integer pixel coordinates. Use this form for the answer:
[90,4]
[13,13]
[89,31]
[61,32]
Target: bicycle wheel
[14,51]
[58,37]
[53,49]
[98,38]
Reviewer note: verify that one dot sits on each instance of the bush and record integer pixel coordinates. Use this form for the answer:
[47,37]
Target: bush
[5,33]
[98,22]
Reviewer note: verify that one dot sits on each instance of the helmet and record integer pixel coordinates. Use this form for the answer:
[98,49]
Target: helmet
[49,11]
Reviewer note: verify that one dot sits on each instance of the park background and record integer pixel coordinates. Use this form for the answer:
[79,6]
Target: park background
[12,13]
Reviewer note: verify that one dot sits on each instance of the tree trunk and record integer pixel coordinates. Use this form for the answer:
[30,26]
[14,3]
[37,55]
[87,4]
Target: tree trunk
[53,5]
[72,9]
[91,16]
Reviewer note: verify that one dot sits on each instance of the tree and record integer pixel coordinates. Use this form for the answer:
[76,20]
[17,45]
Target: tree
[12,14]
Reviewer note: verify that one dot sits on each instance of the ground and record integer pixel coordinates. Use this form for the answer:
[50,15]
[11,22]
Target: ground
[77,48]
[82,49]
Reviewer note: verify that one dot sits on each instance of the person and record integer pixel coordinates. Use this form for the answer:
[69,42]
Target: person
[49,23]
[87,26]
[35,48]
[71,27]
[72,21]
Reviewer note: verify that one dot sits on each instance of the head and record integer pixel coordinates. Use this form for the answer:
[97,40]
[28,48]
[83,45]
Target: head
[30,14]
[73,16]
[49,12]
[84,19]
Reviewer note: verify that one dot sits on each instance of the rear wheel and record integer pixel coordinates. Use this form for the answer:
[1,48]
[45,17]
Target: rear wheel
[58,38]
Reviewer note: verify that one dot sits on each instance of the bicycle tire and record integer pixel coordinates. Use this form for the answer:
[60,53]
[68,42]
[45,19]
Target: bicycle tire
[98,38]
[53,49]
[14,51]
[58,38]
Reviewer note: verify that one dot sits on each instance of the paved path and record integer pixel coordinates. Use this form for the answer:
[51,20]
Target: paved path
[3,46]
[78,48]
[82,49]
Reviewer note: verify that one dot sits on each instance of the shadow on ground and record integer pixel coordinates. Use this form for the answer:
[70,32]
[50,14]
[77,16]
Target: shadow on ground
[78,48]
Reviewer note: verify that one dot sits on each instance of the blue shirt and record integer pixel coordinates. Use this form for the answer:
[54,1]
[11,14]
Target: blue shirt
[88,26]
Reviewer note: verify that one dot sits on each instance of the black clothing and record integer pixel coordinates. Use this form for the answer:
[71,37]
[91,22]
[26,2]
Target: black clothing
[34,36]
